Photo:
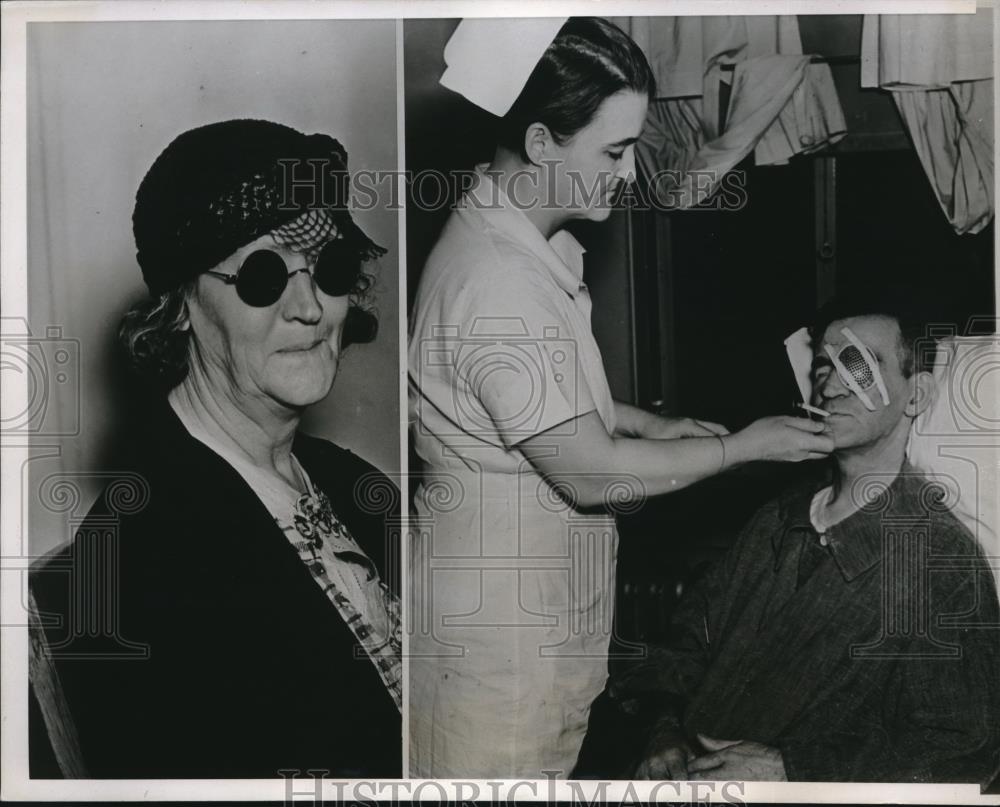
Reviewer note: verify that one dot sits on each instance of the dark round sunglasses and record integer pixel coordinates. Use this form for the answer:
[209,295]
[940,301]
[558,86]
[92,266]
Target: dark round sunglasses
[263,275]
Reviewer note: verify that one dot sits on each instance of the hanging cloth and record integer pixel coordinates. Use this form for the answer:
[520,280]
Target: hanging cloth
[939,69]
[809,121]
[780,104]
[686,53]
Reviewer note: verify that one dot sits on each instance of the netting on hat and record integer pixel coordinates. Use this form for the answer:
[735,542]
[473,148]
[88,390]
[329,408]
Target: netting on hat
[256,204]
[260,195]
[309,232]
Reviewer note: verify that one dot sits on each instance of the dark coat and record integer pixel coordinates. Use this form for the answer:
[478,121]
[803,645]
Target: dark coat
[227,659]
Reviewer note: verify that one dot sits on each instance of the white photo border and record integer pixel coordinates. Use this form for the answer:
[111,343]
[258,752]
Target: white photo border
[16,784]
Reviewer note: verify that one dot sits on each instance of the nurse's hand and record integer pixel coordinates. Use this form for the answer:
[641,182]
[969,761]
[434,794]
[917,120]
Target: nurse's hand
[783,438]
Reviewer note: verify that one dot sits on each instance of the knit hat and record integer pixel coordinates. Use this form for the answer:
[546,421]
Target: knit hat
[219,187]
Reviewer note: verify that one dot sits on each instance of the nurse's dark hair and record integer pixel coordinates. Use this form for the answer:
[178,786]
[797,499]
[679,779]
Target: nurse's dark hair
[916,349]
[590,60]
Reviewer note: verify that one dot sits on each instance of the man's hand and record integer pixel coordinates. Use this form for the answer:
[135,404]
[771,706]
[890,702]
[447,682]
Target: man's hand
[643,679]
[737,760]
[666,756]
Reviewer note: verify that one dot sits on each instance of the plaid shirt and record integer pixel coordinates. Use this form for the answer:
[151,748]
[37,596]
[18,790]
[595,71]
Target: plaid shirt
[874,658]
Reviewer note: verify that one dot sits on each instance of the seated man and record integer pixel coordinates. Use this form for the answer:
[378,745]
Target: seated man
[852,631]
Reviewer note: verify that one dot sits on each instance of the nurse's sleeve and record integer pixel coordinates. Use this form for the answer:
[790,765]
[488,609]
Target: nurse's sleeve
[517,364]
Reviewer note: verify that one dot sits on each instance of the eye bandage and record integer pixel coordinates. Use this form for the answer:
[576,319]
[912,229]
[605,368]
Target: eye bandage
[858,369]
[799,348]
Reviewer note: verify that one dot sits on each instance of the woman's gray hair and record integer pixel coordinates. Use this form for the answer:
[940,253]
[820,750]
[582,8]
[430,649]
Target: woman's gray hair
[155,334]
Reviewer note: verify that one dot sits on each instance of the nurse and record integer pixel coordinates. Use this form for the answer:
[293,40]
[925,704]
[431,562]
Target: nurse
[525,452]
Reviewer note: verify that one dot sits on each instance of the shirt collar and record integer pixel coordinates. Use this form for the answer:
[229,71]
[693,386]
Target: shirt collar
[562,254]
[856,542]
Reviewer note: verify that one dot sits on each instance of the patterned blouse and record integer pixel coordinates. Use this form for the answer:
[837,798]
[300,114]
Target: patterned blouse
[349,579]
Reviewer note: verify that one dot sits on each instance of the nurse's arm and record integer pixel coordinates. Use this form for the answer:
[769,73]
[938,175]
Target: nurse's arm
[586,461]
[631,421]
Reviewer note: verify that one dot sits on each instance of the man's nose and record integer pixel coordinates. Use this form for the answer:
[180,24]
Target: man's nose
[300,300]
[832,386]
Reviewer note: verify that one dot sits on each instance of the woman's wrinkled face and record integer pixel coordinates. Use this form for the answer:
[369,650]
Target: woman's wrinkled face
[592,166]
[285,353]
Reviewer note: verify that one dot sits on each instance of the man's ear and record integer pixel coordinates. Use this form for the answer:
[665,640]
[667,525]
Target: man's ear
[922,394]
[538,142]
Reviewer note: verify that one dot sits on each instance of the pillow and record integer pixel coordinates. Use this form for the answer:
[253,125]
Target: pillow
[957,438]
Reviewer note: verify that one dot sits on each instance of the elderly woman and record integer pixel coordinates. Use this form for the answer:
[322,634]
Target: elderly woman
[252,626]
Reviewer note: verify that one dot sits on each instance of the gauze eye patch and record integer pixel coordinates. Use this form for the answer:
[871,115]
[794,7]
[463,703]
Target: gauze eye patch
[858,369]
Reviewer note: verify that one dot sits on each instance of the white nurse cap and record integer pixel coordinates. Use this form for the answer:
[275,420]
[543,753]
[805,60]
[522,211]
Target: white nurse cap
[489,60]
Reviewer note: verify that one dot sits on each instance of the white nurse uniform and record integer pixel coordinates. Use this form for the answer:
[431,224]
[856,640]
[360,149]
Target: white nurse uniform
[511,589]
